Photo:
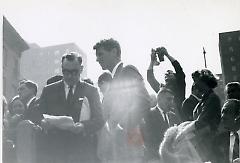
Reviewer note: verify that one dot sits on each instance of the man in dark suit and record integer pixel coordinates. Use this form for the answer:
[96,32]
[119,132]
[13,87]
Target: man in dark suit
[125,103]
[174,81]
[157,121]
[27,92]
[189,104]
[29,140]
[65,98]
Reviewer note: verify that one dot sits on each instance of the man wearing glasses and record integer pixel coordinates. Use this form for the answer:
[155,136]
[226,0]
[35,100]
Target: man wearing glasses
[65,98]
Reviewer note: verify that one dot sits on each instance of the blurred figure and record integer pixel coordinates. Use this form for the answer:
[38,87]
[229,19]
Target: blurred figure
[8,146]
[206,117]
[156,122]
[126,101]
[13,118]
[104,82]
[88,80]
[173,81]
[183,151]
[29,136]
[190,103]
[153,100]
[16,110]
[232,90]
[228,119]
[27,92]
[231,122]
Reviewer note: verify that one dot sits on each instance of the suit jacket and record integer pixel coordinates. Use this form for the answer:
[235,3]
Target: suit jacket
[64,145]
[33,113]
[127,97]
[125,103]
[188,107]
[207,115]
[154,127]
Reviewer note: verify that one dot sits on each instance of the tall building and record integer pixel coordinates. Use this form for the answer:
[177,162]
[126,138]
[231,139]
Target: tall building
[40,63]
[229,47]
[13,46]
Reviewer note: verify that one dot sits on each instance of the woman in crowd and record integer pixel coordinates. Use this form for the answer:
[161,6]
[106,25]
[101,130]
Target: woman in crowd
[206,115]
[14,116]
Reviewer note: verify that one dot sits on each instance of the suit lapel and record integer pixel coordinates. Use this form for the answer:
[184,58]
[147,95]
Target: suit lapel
[161,118]
[79,91]
[62,94]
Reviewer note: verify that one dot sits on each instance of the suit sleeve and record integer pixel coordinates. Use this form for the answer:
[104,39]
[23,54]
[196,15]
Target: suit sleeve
[43,101]
[96,120]
[210,114]
[137,96]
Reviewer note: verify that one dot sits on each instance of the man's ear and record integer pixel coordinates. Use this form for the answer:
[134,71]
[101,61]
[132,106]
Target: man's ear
[114,52]
[81,69]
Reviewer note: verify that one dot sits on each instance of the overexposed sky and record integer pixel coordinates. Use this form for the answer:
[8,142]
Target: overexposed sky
[182,26]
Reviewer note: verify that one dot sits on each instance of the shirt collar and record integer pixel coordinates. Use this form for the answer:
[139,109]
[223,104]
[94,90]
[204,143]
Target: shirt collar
[196,97]
[115,68]
[29,102]
[66,88]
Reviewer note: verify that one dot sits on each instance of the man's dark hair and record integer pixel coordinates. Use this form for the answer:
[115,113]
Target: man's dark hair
[31,85]
[71,56]
[89,81]
[108,44]
[232,90]
[206,76]
[54,79]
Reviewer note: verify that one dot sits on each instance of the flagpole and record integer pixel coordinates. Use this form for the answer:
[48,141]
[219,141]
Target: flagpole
[204,54]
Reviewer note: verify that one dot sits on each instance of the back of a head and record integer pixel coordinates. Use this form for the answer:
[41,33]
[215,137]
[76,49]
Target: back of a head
[54,79]
[31,85]
[232,90]
[232,104]
[205,76]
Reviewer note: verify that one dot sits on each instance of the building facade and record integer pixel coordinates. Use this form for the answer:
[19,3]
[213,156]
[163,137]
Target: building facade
[13,46]
[40,63]
[229,47]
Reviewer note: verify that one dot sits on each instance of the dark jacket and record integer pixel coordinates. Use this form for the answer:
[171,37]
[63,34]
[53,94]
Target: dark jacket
[61,145]
[188,106]
[153,128]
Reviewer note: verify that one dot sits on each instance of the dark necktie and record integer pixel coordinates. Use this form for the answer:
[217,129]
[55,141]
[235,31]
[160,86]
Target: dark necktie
[236,146]
[70,96]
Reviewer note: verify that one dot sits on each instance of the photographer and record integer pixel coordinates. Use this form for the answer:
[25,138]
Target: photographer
[173,81]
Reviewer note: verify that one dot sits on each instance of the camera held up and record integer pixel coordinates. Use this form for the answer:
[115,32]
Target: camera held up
[157,55]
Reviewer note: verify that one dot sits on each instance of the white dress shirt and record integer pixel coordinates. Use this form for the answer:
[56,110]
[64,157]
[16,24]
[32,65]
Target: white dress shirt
[67,88]
[232,140]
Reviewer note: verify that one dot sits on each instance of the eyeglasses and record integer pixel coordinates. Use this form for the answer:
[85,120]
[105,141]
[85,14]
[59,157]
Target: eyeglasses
[73,72]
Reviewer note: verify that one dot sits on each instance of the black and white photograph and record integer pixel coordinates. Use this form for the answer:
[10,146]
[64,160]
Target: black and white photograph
[120,81]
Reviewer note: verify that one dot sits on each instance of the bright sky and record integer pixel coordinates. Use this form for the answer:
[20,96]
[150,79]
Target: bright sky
[182,26]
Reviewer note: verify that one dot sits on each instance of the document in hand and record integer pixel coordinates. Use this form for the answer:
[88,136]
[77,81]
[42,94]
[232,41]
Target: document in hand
[61,122]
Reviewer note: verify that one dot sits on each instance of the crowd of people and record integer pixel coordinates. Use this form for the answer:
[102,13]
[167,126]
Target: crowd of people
[73,121]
